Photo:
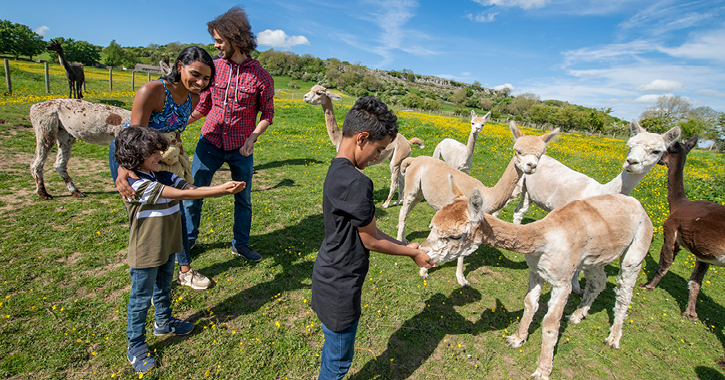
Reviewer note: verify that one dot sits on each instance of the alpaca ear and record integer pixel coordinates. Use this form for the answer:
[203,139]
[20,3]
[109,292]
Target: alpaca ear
[332,95]
[515,131]
[548,137]
[671,136]
[473,114]
[488,116]
[475,206]
[457,192]
[689,144]
[635,128]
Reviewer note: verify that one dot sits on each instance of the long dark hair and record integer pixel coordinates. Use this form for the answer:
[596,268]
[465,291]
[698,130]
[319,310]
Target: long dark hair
[234,27]
[187,56]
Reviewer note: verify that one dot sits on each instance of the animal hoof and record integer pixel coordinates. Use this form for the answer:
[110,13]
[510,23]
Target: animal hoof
[646,286]
[575,319]
[691,316]
[539,376]
[78,194]
[385,205]
[45,197]
[514,342]
[463,282]
[612,342]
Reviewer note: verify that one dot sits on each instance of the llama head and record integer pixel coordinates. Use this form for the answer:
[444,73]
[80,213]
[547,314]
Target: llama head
[529,149]
[318,95]
[646,148]
[677,152]
[453,229]
[477,122]
[54,45]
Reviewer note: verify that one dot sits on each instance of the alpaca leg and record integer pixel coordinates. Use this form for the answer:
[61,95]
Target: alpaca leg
[523,206]
[575,286]
[70,88]
[694,285]
[410,199]
[42,149]
[626,280]
[596,282]
[395,184]
[459,273]
[669,251]
[65,144]
[550,329]
[531,305]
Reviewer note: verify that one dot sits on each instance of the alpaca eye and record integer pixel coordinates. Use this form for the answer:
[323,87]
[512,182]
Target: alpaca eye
[656,152]
[455,237]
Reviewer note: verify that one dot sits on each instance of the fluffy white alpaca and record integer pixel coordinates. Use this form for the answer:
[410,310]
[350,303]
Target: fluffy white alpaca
[455,153]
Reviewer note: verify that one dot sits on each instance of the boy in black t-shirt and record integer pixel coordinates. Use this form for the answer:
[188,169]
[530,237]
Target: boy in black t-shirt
[351,233]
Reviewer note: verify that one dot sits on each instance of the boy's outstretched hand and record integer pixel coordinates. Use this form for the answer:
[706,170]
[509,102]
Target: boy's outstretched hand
[233,187]
[421,259]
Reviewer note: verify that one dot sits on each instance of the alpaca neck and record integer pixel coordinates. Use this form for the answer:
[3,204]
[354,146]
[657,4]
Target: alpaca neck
[331,123]
[624,183]
[471,144]
[675,181]
[497,196]
[521,238]
[63,62]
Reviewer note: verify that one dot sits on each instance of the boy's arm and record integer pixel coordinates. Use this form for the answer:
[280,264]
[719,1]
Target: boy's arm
[378,241]
[193,192]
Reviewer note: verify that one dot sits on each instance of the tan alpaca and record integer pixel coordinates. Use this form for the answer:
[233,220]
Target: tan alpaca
[63,121]
[554,185]
[425,178]
[584,234]
[455,153]
[396,151]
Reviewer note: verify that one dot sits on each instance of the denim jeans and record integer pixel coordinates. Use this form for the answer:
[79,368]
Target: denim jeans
[337,352]
[148,283]
[183,257]
[207,160]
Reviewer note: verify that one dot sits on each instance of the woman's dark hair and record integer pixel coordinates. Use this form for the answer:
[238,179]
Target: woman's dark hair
[234,27]
[371,115]
[188,56]
[136,143]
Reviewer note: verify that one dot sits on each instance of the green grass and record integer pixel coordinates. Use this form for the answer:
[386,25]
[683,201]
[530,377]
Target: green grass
[64,283]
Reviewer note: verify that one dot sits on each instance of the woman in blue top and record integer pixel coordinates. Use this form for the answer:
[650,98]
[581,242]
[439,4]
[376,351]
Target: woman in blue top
[165,104]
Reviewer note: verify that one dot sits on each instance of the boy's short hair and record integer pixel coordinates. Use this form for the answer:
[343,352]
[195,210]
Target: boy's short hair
[371,115]
[136,143]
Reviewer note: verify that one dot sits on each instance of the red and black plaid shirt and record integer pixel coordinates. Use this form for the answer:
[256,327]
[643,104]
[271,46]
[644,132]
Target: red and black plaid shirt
[231,104]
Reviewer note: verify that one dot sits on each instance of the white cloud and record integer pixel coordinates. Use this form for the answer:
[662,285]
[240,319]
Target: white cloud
[278,38]
[612,52]
[661,86]
[482,17]
[41,30]
[523,4]
[702,46]
[650,98]
[713,93]
[502,86]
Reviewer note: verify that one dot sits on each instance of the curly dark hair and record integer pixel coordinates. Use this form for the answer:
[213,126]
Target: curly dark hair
[136,143]
[371,115]
[187,56]
[234,27]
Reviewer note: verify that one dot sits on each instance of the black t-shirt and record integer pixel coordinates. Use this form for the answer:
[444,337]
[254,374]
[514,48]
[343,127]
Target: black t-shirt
[342,261]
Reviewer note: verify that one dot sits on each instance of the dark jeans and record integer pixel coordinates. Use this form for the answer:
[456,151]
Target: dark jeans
[337,352]
[148,283]
[207,160]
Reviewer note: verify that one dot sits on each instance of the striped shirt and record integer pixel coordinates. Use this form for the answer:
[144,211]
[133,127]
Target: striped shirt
[155,232]
[231,104]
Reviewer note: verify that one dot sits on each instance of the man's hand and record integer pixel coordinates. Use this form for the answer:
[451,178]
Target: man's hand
[233,187]
[122,185]
[248,148]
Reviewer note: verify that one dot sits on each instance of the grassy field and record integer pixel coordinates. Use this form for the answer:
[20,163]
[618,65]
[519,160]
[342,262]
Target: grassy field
[64,280]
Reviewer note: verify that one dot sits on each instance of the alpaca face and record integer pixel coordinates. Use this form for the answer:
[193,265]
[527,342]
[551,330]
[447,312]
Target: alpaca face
[645,150]
[318,95]
[477,122]
[529,149]
[452,233]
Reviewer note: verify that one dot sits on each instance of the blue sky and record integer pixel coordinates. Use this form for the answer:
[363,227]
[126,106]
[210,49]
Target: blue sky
[621,54]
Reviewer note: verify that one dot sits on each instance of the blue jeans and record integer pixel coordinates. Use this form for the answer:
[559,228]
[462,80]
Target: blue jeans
[183,257]
[148,283]
[207,160]
[337,352]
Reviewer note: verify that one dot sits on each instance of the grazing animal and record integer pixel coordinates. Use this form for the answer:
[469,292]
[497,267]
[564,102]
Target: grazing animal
[584,234]
[554,185]
[456,154]
[63,121]
[165,66]
[425,178]
[699,226]
[73,71]
[396,151]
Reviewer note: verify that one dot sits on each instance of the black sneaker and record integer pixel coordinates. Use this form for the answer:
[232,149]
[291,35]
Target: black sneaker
[247,252]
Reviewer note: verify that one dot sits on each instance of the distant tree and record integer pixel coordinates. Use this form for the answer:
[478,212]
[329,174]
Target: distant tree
[430,104]
[19,39]
[667,112]
[459,97]
[114,54]
[486,103]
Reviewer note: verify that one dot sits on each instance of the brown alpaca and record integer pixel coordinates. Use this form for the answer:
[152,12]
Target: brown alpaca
[397,151]
[584,234]
[63,121]
[73,71]
[699,226]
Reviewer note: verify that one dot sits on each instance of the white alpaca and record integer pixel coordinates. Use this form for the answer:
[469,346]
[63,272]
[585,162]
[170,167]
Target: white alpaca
[425,178]
[63,121]
[455,153]
[584,234]
[554,185]
[396,151]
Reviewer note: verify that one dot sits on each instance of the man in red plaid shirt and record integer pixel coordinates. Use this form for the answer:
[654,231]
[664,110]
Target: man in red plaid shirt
[241,89]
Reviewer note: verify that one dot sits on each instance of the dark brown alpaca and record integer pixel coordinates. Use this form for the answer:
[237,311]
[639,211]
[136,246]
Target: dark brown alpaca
[73,71]
[696,225]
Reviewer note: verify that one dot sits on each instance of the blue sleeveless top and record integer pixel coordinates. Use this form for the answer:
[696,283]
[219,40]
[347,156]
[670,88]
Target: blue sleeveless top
[173,117]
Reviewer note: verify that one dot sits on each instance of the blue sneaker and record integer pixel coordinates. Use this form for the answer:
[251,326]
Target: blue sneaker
[140,358]
[247,252]
[173,326]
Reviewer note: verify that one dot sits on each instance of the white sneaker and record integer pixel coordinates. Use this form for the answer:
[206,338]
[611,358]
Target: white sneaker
[194,279]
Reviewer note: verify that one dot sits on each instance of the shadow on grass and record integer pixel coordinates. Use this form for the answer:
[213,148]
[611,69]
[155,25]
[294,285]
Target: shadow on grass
[290,162]
[707,373]
[112,102]
[418,337]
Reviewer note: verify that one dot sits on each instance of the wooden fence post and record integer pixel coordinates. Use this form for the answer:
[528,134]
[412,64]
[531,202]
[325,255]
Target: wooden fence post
[7,76]
[47,78]
[133,80]
[110,78]
[149,77]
